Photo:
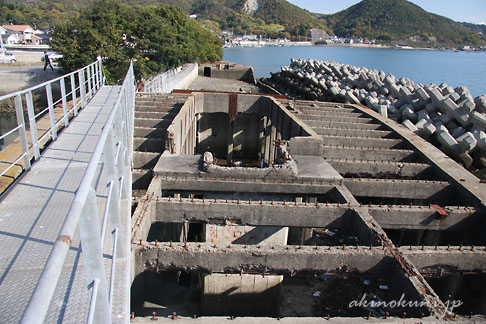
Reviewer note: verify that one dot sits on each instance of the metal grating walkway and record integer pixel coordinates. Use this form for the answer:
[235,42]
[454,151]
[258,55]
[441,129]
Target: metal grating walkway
[32,213]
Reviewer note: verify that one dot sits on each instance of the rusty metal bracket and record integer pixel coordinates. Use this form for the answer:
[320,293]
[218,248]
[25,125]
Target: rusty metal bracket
[441,211]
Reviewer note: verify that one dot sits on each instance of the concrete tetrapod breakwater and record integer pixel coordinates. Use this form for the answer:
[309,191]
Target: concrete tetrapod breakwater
[449,118]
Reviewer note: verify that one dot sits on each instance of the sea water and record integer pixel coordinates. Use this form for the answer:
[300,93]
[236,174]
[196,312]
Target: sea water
[422,66]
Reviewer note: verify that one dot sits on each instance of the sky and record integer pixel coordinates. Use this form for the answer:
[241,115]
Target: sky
[473,11]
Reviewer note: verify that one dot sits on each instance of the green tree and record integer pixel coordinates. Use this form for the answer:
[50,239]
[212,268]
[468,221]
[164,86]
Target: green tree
[155,37]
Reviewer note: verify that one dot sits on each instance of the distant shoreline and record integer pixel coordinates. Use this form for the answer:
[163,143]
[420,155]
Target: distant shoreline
[378,46]
[304,44]
[309,44]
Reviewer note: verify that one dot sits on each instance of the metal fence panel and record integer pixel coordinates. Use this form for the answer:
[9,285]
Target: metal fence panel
[112,150]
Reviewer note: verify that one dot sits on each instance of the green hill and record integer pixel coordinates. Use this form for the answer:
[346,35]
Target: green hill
[271,15]
[480,30]
[283,13]
[229,14]
[398,19]
[388,21]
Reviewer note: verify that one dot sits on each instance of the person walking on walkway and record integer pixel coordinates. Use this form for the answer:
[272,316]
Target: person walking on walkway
[47,61]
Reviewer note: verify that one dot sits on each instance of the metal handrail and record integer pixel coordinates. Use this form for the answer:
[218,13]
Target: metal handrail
[165,82]
[114,151]
[91,77]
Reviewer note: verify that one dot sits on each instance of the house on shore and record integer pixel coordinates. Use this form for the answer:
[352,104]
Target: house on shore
[20,34]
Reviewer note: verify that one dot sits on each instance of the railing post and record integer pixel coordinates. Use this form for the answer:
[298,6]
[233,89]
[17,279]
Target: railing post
[100,73]
[33,125]
[93,78]
[22,130]
[82,88]
[97,79]
[73,94]
[88,79]
[51,111]
[113,175]
[62,83]
[89,231]
[103,79]
[131,114]
[121,132]
[100,67]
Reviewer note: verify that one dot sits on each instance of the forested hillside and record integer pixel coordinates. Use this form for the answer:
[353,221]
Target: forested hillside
[228,14]
[385,20]
[397,19]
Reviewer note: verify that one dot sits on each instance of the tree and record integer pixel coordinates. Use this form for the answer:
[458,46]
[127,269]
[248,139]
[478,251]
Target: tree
[155,37]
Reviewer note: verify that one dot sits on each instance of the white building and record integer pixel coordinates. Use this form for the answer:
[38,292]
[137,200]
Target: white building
[19,34]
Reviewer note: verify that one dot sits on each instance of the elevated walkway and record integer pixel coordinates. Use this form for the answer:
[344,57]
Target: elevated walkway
[33,211]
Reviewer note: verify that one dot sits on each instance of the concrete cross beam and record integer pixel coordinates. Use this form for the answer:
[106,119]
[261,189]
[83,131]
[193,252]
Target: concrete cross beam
[423,218]
[408,189]
[234,258]
[460,258]
[230,185]
[376,169]
[251,213]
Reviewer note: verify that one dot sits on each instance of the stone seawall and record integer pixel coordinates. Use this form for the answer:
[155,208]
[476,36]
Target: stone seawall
[449,118]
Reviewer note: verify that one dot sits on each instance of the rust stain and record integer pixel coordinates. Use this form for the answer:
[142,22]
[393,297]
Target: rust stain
[65,239]
[233,103]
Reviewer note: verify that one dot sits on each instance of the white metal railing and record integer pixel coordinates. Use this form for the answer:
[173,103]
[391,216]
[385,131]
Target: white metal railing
[114,152]
[169,80]
[84,83]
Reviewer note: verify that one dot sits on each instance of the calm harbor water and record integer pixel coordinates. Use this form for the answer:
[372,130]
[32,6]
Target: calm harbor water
[422,66]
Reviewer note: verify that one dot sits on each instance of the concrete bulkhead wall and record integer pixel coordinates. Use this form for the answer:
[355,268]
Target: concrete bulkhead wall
[247,294]
[256,104]
[213,134]
[274,121]
[190,77]
[303,140]
[181,132]
[226,70]
[142,219]
[288,126]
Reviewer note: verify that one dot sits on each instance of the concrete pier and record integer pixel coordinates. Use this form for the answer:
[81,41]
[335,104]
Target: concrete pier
[354,188]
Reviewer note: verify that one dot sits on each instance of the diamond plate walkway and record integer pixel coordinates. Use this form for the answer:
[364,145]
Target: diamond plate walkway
[33,211]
